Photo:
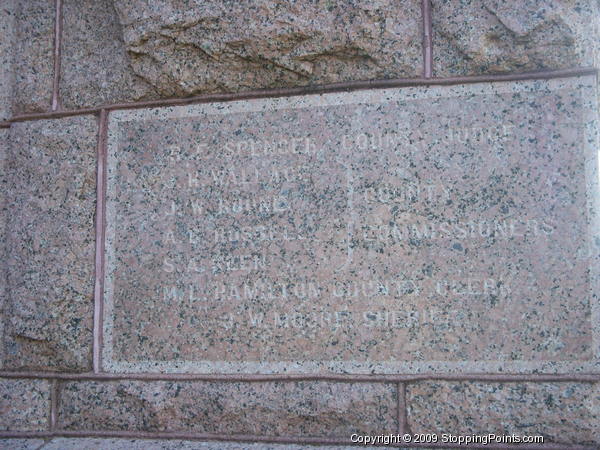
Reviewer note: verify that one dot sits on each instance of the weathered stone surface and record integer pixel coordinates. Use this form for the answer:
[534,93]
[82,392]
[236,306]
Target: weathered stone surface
[7,16]
[24,405]
[561,412]
[493,36]
[95,66]
[50,244]
[444,229]
[275,408]
[210,46]
[34,60]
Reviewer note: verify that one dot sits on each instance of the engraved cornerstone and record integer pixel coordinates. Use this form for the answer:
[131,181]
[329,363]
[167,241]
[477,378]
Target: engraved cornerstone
[412,229]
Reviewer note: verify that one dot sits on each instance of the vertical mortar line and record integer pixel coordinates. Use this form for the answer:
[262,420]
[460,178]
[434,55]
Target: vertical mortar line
[427,39]
[100,236]
[402,409]
[57,53]
[401,412]
[53,404]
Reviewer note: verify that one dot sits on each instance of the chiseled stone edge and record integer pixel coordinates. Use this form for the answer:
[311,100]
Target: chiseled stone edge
[588,90]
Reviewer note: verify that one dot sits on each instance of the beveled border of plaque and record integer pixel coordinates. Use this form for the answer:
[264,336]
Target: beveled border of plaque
[585,84]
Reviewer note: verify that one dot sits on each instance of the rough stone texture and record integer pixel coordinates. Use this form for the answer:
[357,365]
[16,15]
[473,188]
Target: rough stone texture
[173,49]
[183,48]
[95,66]
[34,61]
[7,15]
[494,36]
[163,444]
[24,405]
[561,412]
[275,408]
[50,244]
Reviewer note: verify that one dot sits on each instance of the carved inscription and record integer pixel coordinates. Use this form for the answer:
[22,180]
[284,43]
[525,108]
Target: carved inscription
[397,229]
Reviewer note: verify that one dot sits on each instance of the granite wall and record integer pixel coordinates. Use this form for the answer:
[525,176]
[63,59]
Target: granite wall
[54,80]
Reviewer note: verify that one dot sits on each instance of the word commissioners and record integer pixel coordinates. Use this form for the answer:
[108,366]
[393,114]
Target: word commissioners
[399,225]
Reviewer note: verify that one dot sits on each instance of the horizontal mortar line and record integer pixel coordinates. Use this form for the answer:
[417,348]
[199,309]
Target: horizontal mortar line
[381,378]
[190,435]
[316,89]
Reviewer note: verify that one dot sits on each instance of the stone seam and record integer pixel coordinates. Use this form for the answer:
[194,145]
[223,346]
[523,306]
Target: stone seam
[401,398]
[58,23]
[100,224]
[312,90]
[341,378]
[53,405]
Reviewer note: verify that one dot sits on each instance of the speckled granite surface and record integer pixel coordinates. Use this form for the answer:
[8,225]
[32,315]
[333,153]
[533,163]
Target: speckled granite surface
[95,66]
[563,413]
[50,244]
[308,408]
[495,36]
[417,229]
[21,444]
[448,229]
[34,60]
[24,404]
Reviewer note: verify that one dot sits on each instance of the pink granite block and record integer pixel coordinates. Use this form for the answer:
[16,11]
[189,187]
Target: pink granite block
[33,55]
[411,230]
[24,405]
[50,244]
[309,408]
[565,413]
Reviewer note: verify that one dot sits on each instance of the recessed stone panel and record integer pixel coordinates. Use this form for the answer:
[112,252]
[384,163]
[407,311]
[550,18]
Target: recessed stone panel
[417,229]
